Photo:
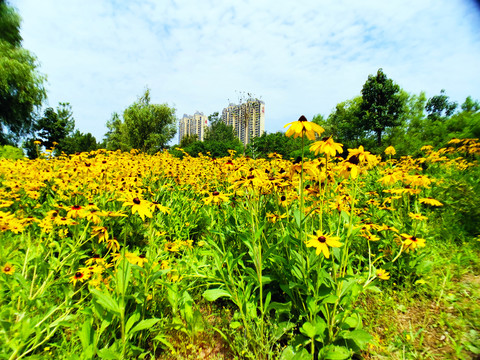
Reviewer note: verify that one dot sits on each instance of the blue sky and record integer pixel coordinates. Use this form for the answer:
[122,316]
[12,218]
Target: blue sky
[300,57]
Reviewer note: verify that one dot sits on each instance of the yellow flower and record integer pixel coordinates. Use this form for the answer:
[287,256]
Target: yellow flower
[430,201]
[302,126]
[418,217]
[7,269]
[390,151]
[322,242]
[216,198]
[142,207]
[412,242]
[327,146]
[382,274]
[79,276]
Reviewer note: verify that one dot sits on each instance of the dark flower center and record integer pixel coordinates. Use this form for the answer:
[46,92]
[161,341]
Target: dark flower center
[302,118]
[354,159]
[76,207]
[215,193]
[413,238]
[136,201]
[141,256]
[7,268]
[283,198]
[78,275]
[322,239]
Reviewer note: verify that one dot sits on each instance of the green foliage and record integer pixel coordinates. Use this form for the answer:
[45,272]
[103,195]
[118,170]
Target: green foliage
[382,106]
[145,126]
[78,142]
[55,126]
[266,144]
[11,152]
[188,140]
[21,86]
[343,124]
[439,108]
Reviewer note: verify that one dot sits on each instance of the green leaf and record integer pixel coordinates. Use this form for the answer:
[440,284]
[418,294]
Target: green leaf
[108,354]
[214,294]
[308,329]
[132,320]
[289,353]
[106,301]
[235,324]
[337,353]
[144,324]
[360,337]
[280,307]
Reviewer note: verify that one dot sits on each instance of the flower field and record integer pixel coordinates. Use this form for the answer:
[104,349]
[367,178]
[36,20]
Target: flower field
[125,255]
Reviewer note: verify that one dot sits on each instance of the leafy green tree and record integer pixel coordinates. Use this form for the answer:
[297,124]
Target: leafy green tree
[439,108]
[78,142]
[145,126]
[188,140]
[114,138]
[55,126]
[278,143]
[471,105]
[343,124]
[382,105]
[21,86]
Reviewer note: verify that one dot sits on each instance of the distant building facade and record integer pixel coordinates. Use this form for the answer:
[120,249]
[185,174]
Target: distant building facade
[247,119]
[192,125]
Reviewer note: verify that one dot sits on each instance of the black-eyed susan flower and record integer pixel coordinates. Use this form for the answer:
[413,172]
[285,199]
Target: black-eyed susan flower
[273,218]
[215,198]
[390,151]
[326,146]
[412,242]
[78,276]
[430,201]
[76,211]
[140,206]
[7,269]
[382,274]
[322,242]
[418,217]
[303,127]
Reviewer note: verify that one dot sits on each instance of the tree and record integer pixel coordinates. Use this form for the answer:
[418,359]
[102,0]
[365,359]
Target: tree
[55,126]
[21,86]
[343,124]
[78,142]
[145,126]
[439,108]
[381,106]
[188,140]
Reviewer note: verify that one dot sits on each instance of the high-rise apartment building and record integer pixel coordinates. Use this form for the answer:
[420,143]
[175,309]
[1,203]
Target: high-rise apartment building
[247,119]
[192,125]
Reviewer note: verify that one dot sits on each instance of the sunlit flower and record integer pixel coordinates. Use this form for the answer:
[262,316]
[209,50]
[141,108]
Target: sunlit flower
[7,269]
[412,242]
[101,232]
[76,211]
[327,146]
[216,198]
[79,276]
[140,206]
[322,242]
[303,127]
[418,217]
[430,201]
[390,151]
[273,218]
[382,274]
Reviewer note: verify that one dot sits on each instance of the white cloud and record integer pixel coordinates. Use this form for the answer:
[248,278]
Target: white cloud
[301,57]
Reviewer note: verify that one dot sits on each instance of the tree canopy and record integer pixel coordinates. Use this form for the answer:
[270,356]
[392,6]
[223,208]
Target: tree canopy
[381,106]
[21,85]
[145,126]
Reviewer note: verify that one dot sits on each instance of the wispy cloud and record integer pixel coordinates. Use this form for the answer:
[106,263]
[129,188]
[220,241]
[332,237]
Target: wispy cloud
[301,57]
